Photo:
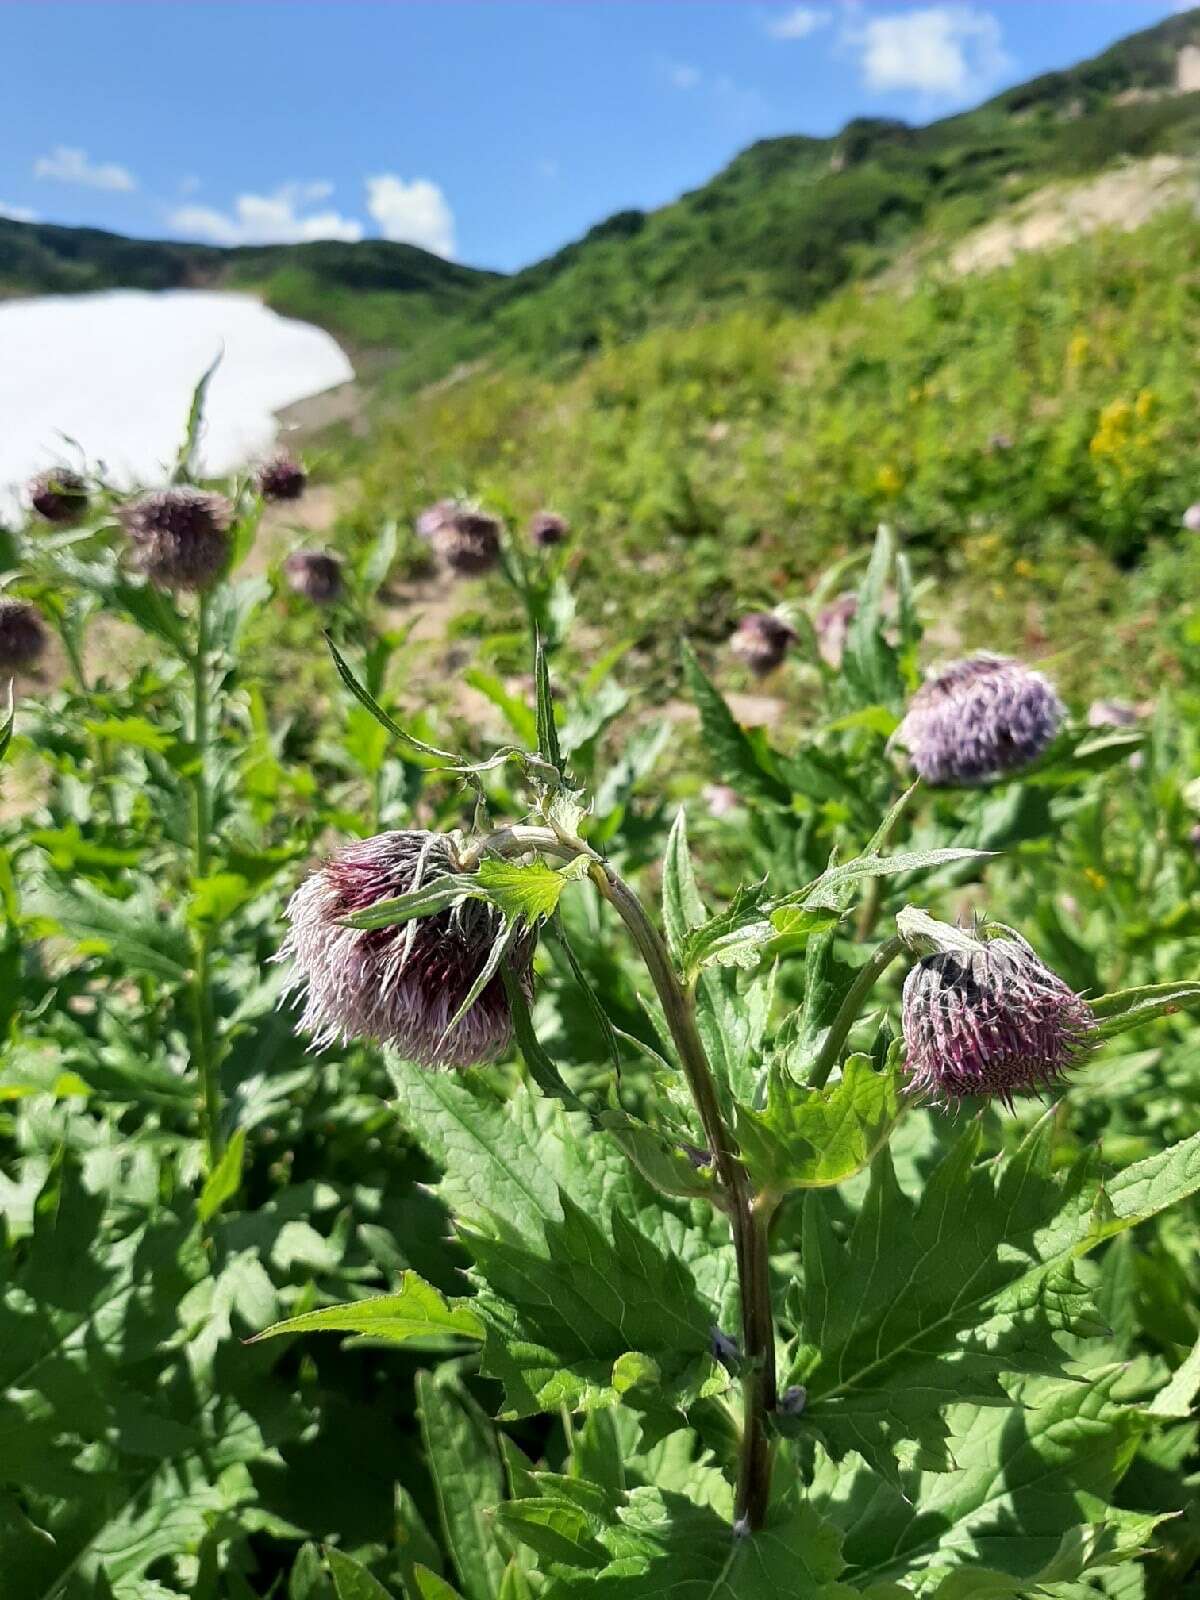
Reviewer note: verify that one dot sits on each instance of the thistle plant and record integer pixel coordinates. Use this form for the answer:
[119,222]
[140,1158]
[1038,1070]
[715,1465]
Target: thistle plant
[978,719]
[59,495]
[281,478]
[314,575]
[23,635]
[762,640]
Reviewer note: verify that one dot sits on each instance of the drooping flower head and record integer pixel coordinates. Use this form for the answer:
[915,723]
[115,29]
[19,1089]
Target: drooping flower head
[281,478]
[468,541]
[23,636]
[1191,519]
[548,529]
[833,627]
[983,1014]
[980,718]
[761,640]
[180,536]
[314,575]
[400,986]
[58,495]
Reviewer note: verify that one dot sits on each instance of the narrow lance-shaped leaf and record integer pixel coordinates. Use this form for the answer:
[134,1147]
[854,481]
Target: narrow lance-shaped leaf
[415,1311]
[460,1447]
[547,729]
[1127,1008]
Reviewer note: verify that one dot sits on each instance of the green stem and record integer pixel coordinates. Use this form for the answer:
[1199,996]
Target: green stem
[749,1221]
[868,975]
[204,1043]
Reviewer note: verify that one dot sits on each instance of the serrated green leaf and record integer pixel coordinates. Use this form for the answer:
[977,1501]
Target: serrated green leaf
[525,891]
[225,1179]
[827,889]
[414,1311]
[460,1446]
[352,1581]
[682,908]
[733,938]
[814,1138]
[1128,1008]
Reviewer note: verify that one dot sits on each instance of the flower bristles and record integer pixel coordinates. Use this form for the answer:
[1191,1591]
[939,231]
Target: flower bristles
[400,986]
[281,478]
[23,635]
[761,640]
[980,718]
[58,495]
[988,1017]
[180,536]
[314,575]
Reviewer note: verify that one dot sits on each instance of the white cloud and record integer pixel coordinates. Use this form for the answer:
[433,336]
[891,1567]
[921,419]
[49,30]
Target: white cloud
[67,164]
[946,52]
[412,213]
[799,22]
[268,219]
[682,76]
[17,213]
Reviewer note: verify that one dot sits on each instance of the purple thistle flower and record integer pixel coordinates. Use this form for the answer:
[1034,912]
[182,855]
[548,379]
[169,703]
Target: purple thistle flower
[431,519]
[722,800]
[1194,838]
[23,637]
[468,541]
[980,718]
[1191,519]
[400,986]
[984,1015]
[314,576]
[58,495]
[833,627]
[548,529]
[281,478]
[761,640]
[181,536]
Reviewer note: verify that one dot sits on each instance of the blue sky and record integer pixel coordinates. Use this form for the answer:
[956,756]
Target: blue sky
[488,130]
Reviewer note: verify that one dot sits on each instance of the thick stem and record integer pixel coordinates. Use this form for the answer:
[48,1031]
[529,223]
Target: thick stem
[868,975]
[748,1220]
[204,1051]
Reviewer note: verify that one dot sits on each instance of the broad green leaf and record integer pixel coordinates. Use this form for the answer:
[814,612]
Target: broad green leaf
[925,1302]
[736,757]
[225,1179]
[814,1138]
[559,1531]
[662,1163]
[134,931]
[414,1311]
[1176,1397]
[526,891]
[138,732]
[431,1587]
[380,556]
[352,1581]
[1128,1008]
[460,1447]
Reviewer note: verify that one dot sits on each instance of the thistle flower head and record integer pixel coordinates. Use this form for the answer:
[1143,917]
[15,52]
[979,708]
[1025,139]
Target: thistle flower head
[400,986]
[761,640]
[980,718]
[314,575]
[281,478]
[983,1015]
[468,541]
[23,635]
[548,529]
[1191,519]
[58,495]
[833,627]
[431,519]
[180,536]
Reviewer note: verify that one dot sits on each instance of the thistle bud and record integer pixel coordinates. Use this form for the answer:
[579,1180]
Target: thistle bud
[58,495]
[980,718]
[833,627]
[180,536]
[548,529]
[983,1015]
[1191,519]
[1111,714]
[23,635]
[761,640]
[314,576]
[281,478]
[468,542]
[400,986]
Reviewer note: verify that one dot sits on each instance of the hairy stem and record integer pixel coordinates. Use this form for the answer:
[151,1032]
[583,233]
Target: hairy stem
[868,975]
[203,1041]
[748,1220]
